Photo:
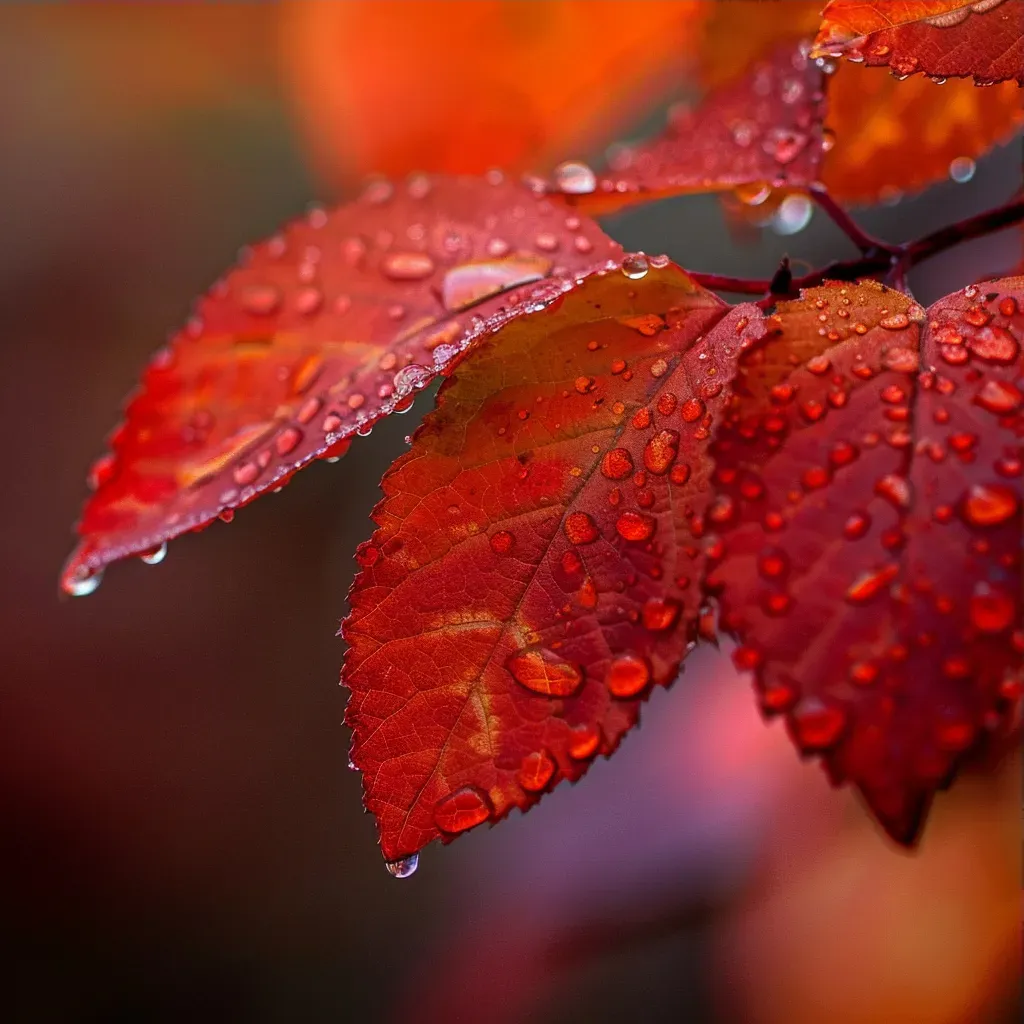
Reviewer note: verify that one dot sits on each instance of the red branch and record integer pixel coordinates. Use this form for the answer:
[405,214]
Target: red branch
[877,260]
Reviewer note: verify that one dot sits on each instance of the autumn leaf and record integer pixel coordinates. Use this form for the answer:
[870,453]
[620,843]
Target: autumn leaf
[870,531]
[536,568]
[764,130]
[317,333]
[890,137]
[983,39]
[388,87]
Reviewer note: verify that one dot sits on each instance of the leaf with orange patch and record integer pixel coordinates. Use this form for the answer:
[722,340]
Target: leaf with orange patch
[385,86]
[869,506]
[983,39]
[764,129]
[319,332]
[889,137]
[537,563]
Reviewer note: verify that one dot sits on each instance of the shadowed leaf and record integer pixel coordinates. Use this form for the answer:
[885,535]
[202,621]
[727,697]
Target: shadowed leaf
[870,485]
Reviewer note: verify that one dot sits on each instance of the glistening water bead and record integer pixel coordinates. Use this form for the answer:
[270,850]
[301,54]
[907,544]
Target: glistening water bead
[403,867]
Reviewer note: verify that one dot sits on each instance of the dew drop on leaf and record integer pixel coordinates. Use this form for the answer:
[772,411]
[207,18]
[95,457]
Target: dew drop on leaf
[628,675]
[461,810]
[536,771]
[575,178]
[635,266]
[543,671]
[989,504]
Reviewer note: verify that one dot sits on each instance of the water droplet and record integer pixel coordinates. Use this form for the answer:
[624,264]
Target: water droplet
[403,867]
[470,283]
[895,489]
[992,609]
[692,410]
[308,301]
[154,556]
[536,771]
[580,528]
[260,299]
[773,563]
[546,241]
[895,322]
[545,672]
[575,178]
[288,440]
[793,215]
[82,582]
[635,266]
[659,614]
[784,144]
[628,675]
[995,345]
[753,194]
[502,542]
[989,504]
[870,584]
[583,742]
[462,810]
[407,266]
[661,451]
[962,169]
[412,378]
[246,473]
[817,725]
[635,526]
[617,464]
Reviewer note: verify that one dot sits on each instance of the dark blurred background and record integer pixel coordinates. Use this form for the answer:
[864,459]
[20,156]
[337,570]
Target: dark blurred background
[181,839]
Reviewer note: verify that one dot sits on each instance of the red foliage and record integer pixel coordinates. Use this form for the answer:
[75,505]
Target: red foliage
[850,466]
[983,39]
[538,563]
[870,506]
[763,130]
[317,333]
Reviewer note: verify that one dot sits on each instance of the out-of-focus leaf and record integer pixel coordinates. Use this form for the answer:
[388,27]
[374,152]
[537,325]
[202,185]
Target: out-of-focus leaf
[983,39]
[537,563]
[870,510]
[763,130]
[317,333]
[889,137]
[387,86]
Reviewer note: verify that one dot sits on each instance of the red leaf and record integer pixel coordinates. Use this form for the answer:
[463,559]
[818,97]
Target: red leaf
[764,129]
[870,506]
[536,569]
[942,38]
[319,332]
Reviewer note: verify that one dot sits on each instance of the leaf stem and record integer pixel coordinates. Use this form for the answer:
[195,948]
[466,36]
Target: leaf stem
[878,259]
[854,232]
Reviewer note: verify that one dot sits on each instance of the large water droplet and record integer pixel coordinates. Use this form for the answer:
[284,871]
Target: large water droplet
[635,526]
[628,675]
[470,283]
[999,397]
[992,608]
[545,672]
[659,614]
[995,345]
[661,451]
[461,810]
[635,266]
[617,464]
[989,504]
[412,378]
[403,867]
[575,178]
[536,771]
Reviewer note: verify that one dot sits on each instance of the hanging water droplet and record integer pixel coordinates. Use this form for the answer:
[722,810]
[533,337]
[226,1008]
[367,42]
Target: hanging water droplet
[154,556]
[962,169]
[82,582]
[403,867]
[793,215]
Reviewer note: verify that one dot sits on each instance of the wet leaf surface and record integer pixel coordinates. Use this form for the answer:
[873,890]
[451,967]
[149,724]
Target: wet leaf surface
[980,39]
[317,333]
[869,507]
[536,568]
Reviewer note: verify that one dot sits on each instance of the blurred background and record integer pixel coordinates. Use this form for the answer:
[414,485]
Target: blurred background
[181,839]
